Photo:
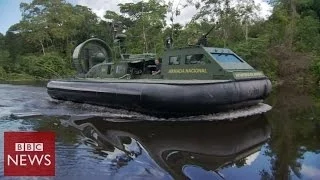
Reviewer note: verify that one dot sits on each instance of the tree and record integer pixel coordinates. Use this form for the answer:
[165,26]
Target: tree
[233,19]
[55,24]
[16,45]
[2,40]
[174,9]
[247,10]
[53,29]
[143,22]
[3,56]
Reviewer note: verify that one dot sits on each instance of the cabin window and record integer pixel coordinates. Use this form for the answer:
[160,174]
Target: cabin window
[174,60]
[197,59]
[226,58]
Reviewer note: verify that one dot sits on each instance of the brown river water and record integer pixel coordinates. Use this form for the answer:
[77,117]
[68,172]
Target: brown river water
[283,143]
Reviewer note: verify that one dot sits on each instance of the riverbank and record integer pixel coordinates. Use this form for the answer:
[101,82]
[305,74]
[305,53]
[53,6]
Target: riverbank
[20,77]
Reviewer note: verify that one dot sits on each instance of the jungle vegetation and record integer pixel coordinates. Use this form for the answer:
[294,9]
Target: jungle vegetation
[285,45]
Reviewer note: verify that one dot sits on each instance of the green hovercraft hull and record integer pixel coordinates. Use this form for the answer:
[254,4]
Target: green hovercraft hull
[163,97]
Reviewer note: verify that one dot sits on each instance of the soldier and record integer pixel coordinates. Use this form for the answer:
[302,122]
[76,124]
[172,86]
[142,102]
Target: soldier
[158,67]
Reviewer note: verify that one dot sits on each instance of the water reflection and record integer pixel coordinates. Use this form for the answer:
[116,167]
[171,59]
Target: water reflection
[183,150]
[295,126]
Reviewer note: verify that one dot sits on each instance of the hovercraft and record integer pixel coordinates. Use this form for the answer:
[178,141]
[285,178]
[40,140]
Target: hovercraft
[193,80]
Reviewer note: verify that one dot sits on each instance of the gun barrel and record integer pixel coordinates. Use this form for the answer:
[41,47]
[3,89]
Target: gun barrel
[209,31]
[203,39]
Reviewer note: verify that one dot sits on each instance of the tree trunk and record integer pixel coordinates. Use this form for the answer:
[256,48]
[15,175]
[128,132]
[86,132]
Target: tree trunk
[224,38]
[227,22]
[247,31]
[145,40]
[292,26]
[144,33]
[172,25]
[42,47]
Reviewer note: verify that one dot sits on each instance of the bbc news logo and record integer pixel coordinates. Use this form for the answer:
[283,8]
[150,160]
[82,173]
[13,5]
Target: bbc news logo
[29,154]
[28,147]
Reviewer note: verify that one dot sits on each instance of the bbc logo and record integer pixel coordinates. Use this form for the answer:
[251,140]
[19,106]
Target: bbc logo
[28,147]
[29,153]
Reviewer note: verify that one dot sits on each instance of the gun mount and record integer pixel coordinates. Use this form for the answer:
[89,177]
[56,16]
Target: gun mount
[203,40]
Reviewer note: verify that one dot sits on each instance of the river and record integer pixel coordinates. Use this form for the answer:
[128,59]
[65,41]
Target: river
[283,143]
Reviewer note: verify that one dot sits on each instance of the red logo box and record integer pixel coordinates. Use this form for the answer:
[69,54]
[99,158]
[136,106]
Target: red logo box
[29,153]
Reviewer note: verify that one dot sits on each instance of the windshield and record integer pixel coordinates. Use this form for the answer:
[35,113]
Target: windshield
[226,58]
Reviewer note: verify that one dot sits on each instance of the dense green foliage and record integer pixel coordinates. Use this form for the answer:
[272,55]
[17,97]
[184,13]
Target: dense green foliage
[48,65]
[285,43]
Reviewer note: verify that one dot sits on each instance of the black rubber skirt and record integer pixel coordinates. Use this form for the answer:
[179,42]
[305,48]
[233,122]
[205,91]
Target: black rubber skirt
[173,99]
